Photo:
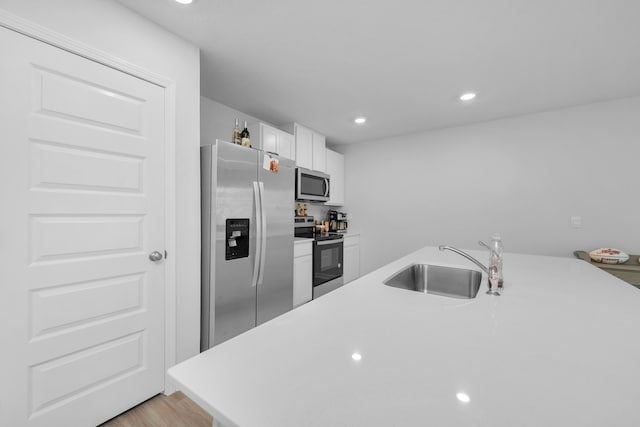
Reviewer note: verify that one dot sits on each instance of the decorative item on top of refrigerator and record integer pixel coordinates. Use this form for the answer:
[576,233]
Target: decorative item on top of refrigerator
[245,136]
[236,134]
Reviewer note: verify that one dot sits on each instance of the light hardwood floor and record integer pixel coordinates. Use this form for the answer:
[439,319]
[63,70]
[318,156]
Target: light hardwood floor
[176,410]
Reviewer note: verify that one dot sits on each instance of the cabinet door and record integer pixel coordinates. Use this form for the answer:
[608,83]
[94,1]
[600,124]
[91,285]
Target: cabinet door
[351,269]
[335,169]
[302,280]
[304,147]
[269,138]
[286,145]
[319,152]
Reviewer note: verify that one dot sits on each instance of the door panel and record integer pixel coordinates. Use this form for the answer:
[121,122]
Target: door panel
[66,96]
[60,167]
[65,377]
[81,305]
[86,301]
[275,293]
[71,237]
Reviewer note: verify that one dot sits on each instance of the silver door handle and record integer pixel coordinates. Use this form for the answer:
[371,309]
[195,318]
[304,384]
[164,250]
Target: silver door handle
[263,245]
[256,265]
[155,256]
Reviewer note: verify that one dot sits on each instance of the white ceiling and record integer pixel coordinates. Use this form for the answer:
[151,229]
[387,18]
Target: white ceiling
[403,63]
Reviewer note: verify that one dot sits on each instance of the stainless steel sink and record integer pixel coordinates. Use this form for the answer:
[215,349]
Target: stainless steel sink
[438,280]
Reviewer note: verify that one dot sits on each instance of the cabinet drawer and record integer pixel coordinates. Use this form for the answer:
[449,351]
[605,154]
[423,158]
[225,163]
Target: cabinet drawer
[302,248]
[351,240]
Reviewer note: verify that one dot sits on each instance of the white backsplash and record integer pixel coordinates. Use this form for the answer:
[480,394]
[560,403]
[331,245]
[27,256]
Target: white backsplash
[317,210]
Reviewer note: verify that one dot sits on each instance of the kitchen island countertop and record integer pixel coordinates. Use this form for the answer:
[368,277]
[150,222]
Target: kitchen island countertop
[559,347]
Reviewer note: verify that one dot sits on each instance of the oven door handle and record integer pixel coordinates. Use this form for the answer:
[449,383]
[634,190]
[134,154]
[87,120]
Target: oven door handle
[329,242]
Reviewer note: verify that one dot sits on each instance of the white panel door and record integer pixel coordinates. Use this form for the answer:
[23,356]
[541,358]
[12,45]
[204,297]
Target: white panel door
[82,190]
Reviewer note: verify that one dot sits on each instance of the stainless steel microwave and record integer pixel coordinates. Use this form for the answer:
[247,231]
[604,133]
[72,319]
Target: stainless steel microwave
[312,185]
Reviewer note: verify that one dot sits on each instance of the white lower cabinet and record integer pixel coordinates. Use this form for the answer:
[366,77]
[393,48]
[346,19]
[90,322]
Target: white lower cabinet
[351,270]
[302,271]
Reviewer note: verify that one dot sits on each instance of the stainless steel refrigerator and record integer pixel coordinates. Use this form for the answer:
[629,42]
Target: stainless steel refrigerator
[247,239]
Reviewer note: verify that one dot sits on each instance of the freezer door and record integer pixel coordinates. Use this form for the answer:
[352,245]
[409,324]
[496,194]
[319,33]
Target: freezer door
[275,281]
[234,290]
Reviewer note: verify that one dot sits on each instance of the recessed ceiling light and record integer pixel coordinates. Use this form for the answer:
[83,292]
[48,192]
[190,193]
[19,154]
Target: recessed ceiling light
[184,1]
[467,96]
[360,120]
[356,356]
[463,397]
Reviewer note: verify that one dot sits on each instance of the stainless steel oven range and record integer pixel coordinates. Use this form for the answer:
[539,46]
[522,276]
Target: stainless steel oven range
[328,255]
[327,263]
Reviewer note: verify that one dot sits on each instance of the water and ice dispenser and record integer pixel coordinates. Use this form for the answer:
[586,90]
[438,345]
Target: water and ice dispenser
[237,235]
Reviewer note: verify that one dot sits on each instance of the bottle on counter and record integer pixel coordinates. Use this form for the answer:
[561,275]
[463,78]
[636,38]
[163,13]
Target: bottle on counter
[496,279]
[245,137]
[236,139]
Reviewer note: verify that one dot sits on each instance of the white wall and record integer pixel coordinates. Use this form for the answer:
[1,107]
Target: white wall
[115,30]
[523,177]
[217,121]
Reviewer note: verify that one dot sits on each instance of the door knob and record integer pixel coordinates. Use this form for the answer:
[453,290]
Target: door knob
[155,256]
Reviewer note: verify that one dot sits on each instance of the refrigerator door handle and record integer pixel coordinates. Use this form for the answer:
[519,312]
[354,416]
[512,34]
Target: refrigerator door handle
[258,202]
[263,246]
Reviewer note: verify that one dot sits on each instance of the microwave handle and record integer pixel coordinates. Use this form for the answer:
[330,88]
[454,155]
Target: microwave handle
[326,187]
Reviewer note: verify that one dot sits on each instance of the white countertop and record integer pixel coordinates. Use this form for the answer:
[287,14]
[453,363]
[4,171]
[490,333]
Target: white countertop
[302,240]
[559,347]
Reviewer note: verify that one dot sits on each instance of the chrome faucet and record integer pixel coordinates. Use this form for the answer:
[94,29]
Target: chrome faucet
[481,243]
[466,255]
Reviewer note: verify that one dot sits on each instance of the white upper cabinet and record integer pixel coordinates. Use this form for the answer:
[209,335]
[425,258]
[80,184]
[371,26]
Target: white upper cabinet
[310,147]
[319,153]
[304,146]
[268,138]
[335,169]
[286,145]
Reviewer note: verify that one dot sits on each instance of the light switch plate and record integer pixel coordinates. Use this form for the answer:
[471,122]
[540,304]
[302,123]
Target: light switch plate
[576,221]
